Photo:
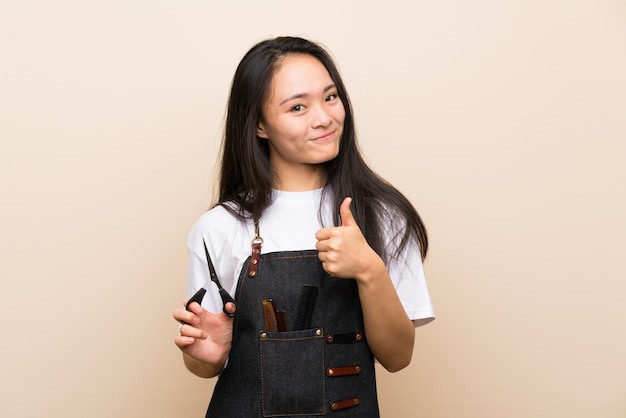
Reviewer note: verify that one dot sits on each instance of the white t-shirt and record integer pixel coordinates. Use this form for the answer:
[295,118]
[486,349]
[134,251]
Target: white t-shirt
[288,224]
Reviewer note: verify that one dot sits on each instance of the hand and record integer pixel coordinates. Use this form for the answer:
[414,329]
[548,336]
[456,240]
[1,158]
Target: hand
[205,336]
[343,250]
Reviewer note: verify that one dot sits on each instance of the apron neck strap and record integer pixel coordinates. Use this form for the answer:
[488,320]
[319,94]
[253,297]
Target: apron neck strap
[257,243]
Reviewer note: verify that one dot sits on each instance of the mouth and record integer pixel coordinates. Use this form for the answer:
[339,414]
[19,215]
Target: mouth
[325,137]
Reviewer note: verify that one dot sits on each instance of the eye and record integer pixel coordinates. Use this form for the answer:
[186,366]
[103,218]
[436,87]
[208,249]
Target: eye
[297,108]
[331,97]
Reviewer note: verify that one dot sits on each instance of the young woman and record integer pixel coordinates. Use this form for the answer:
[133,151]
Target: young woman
[322,256]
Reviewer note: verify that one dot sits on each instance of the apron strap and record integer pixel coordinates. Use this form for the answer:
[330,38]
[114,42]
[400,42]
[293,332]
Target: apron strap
[257,243]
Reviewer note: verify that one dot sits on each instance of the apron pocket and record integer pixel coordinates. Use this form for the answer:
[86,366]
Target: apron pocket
[292,372]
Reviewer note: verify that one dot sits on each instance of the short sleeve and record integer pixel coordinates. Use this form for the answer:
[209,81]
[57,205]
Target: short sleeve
[407,274]
[225,238]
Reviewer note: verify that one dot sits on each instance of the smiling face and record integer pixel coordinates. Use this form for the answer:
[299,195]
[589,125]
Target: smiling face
[302,121]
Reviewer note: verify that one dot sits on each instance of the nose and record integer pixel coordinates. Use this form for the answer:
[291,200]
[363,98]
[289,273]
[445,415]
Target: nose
[321,118]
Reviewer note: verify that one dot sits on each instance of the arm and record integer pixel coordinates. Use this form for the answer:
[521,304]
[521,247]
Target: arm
[205,333]
[390,333]
[344,253]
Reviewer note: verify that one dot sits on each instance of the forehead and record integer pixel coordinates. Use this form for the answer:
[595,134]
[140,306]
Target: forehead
[298,74]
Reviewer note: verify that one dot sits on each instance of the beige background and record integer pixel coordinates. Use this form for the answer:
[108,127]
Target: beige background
[503,121]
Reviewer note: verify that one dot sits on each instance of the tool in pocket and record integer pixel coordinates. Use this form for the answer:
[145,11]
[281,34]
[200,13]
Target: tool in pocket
[275,320]
[305,307]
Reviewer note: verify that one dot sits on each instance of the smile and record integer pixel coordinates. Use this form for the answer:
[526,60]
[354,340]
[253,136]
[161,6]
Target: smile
[325,137]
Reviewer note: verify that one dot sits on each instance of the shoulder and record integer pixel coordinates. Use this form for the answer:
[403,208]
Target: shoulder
[217,225]
[216,217]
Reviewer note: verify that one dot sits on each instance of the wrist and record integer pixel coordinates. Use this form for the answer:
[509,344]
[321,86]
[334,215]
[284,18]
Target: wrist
[373,270]
[202,368]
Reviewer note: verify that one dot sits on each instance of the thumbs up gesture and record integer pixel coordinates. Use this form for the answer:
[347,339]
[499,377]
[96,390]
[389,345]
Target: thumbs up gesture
[343,250]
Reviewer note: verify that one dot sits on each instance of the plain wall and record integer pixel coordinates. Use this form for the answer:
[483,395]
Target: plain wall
[503,121]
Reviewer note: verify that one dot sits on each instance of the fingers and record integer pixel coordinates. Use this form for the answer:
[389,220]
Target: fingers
[188,334]
[195,308]
[346,214]
[186,317]
[195,318]
[182,341]
[323,234]
[187,330]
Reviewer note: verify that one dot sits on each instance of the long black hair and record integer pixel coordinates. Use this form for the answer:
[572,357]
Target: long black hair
[246,176]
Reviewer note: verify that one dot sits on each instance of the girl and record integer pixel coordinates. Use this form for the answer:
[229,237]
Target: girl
[322,256]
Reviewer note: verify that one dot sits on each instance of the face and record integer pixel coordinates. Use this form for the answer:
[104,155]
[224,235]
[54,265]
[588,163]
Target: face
[303,116]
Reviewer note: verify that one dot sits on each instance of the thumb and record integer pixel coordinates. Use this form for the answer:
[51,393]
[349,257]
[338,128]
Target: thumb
[346,215]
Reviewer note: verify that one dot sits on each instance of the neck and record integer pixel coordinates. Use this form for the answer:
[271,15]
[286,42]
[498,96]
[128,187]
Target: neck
[301,180]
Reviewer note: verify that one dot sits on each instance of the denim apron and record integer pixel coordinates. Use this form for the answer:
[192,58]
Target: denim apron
[325,370]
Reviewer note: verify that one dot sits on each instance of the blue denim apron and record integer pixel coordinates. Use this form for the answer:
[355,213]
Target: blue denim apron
[325,370]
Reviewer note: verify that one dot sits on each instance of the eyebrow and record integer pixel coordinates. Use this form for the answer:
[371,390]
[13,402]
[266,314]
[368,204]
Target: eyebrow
[300,95]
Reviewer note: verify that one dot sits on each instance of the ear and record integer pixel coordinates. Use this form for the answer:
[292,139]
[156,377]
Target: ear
[260,131]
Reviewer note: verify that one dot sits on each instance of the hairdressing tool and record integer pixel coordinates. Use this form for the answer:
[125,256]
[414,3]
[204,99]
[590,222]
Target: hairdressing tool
[199,295]
[223,293]
[269,312]
[281,321]
[305,307]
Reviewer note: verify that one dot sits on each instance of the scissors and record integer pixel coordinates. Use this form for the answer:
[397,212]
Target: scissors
[199,295]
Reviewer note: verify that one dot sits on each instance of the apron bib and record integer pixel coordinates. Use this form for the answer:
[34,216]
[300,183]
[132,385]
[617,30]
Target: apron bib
[324,370]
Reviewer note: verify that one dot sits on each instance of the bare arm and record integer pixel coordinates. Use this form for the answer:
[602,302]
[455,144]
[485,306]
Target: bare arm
[390,333]
[344,253]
